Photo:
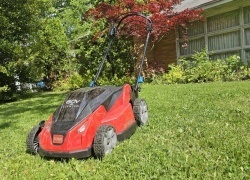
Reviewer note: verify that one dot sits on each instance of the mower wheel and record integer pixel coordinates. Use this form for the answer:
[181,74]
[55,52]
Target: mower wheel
[140,110]
[105,140]
[32,140]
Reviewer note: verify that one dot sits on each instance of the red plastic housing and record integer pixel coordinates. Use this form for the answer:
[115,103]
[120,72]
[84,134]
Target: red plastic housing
[79,139]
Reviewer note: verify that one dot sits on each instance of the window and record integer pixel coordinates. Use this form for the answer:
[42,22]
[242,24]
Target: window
[193,46]
[196,31]
[224,55]
[224,41]
[247,35]
[246,15]
[248,55]
[223,21]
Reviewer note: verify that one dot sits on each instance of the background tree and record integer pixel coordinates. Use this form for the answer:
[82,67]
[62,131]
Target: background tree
[161,12]
[18,20]
[35,40]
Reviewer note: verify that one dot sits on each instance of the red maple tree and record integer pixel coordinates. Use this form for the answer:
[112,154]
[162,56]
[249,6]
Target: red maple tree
[161,12]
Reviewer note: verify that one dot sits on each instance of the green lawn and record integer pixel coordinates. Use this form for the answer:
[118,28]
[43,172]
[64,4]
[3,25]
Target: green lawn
[196,131]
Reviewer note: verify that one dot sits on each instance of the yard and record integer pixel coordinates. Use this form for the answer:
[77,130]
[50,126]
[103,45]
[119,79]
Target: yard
[197,131]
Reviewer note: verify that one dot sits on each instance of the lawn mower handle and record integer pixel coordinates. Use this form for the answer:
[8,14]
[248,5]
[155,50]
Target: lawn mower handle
[93,83]
[136,87]
[113,31]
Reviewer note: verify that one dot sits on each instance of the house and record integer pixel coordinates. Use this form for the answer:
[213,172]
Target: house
[225,32]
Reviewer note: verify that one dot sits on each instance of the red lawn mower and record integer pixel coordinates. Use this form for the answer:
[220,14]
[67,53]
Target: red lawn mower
[93,119]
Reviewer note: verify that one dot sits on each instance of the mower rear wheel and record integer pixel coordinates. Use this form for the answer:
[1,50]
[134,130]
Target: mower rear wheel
[105,141]
[32,140]
[140,110]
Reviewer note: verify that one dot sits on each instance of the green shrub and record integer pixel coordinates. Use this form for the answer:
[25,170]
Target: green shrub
[116,81]
[244,73]
[202,69]
[176,75]
[7,87]
[72,82]
[76,81]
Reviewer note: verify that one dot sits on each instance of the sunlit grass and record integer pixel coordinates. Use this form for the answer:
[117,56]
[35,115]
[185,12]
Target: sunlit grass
[197,131]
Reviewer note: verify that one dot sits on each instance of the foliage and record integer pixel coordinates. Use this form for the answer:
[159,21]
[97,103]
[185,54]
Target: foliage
[36,38]
[76,81]
[202,69]
[30,37]
[71,82]
[117,81]
[195,131]
[160,12]
[49,57]
[55,43]
[16,22]
[120,60]
[88,50]
[3,72]
[7,87]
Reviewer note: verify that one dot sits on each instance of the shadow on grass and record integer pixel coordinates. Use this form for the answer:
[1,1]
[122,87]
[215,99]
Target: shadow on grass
[5,125]
[67,160]
[38,103]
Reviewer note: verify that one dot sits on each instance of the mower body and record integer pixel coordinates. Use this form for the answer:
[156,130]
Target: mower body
[71,129]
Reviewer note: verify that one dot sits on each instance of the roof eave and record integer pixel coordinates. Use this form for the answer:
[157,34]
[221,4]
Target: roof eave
[207,5]
[212,4]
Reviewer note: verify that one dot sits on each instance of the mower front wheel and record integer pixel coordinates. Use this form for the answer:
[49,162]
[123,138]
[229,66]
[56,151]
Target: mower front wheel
[32,140]
[140,110]
[105,141]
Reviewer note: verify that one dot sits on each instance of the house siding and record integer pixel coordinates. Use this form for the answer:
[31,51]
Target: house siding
[159,54]
[164,51]
[226,32]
